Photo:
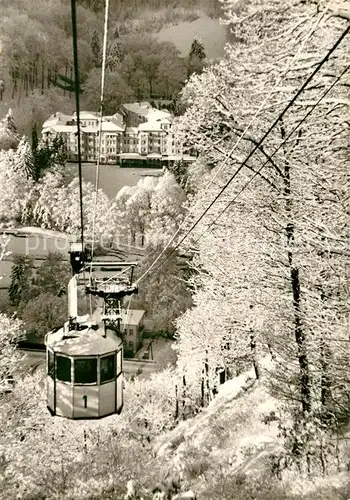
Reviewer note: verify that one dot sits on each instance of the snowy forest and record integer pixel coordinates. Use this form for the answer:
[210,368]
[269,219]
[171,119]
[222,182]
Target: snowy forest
[36,71]
[262,220]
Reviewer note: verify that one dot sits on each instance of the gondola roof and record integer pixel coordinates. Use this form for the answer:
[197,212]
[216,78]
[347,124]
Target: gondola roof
[87,343]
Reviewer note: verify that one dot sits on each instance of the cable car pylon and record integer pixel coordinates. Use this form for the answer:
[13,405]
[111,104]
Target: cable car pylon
[85,355]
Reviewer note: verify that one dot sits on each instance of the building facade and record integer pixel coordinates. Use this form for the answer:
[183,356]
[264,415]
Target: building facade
[132,327]
[137,134]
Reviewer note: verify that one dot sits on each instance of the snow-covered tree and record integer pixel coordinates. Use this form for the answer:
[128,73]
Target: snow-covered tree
[21,276]
[8,132]
[166,210]
[282,243]
[57,207]
[25,160]
[164,293]
[151,211]
[125,223]
[15,187]
[133,206]
[151,405]
[96,48]
[10,333]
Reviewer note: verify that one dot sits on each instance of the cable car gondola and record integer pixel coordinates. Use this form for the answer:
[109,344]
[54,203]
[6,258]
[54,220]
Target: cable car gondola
[85,356]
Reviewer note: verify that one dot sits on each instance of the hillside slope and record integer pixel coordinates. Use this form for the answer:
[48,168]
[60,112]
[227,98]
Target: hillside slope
[209,31]
[229,450]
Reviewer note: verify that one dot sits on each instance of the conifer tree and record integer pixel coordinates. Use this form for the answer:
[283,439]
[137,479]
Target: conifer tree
[21,274]
[196,58]
[35,139]
[25,159]
[96,48]
[114,55]
[180,171]
[197,49]
[8,132]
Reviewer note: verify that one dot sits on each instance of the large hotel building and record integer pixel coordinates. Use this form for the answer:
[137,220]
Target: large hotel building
[135,136]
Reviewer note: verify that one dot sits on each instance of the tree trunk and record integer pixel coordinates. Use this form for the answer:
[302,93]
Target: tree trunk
[207,385]
[20,89]
[32,76]
[71,78]
[36,73]
[254,357]
[305,389]
[65,75]
[42,77]
[202,389]
[324,364]
[26,83]
[176,416]
[183,395]
[14,80]
[325,379]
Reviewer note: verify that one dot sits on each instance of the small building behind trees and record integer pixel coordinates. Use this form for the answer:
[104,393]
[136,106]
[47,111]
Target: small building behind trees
[132,327]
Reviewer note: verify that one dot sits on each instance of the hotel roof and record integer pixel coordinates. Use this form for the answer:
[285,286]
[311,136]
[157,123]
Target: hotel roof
[55,119]
[117,118]
[87,115]
[111,127]
[153,125]
[146,110]
[61,128]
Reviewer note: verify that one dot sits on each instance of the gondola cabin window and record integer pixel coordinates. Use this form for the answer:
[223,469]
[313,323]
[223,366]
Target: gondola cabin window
[119,362]
[107,368]
[63,369]
[85,371]
[51,364]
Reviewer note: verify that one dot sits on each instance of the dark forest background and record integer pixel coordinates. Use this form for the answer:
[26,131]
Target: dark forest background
[36,61]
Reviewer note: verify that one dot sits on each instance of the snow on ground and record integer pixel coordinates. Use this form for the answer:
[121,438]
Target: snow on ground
[231,436]
[112,178]
[210,31]
[230,431]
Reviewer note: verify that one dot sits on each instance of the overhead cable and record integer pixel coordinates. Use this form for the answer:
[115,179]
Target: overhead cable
[77,105]
[277,149]
[257,146]
[103,73]
[242,135]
